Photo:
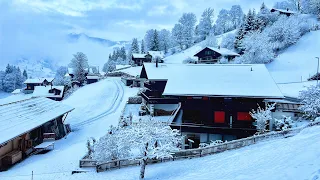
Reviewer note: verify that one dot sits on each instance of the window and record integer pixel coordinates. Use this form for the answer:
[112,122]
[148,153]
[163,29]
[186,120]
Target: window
[207,53]
[219,117]
[244,116]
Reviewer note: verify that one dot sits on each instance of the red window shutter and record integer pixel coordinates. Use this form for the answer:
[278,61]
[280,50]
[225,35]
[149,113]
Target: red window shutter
[189,98]
[205,98]
[219,117]
[244,116]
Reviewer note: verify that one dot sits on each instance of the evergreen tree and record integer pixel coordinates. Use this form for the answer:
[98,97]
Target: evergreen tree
[223,23]
[236,15]
[177,35]
[25,74]
[188,22]
[135,46]
[142,47]
[164,40]
[148,39]
[155,41]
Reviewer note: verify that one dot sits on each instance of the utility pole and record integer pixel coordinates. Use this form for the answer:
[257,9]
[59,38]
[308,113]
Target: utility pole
[318,71]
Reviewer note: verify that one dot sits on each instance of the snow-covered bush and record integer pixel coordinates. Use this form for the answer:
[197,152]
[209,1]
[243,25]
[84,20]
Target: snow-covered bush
[311,101]
[262,116]
[223,60]
[284,123]
[212,143]
[228,41]
[126,121]
[135,100]
[90,146]
[112,146]
[189,60]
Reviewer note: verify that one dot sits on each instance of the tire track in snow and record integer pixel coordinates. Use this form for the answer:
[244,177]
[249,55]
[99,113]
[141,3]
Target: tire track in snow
[114,106]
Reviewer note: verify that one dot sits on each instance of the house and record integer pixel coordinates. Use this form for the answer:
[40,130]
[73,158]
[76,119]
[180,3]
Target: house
[288,107]
[92,75]
[26,124]
[32,83]
[92,79]
[213,101]
[286,12]
[139,59]
[211,55]
[157,55]
[52,92]
[17,91]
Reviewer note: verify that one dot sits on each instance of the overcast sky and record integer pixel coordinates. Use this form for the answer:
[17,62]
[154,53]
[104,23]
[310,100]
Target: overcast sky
[110,19]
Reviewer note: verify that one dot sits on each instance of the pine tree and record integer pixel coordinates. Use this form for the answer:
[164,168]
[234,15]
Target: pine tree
[25,74]
[135,46]
[188,22]
[177,35]
[155,41]
[142,47]
[236,15]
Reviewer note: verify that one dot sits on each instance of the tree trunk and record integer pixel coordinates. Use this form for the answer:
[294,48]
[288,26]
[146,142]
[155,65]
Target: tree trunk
[143,168]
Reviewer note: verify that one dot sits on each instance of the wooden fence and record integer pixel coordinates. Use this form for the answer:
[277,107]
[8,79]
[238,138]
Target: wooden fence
[192,153]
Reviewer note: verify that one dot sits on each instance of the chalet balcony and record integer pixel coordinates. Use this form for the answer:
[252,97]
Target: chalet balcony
[155,98]
[208,61]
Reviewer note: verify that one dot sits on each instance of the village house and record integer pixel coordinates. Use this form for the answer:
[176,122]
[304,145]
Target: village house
[52,92]
[211,55]
[286,12]
[210,102]
[32,83]
[139,59]
[92,75]
[29,126]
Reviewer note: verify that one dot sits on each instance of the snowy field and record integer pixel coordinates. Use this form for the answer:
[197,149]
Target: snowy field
[97,107]
[4,94]
[298,62]
[291,158]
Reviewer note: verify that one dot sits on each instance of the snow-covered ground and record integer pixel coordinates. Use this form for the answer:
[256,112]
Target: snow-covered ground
[298,62]
[97,106]
[291,158]
[4,94]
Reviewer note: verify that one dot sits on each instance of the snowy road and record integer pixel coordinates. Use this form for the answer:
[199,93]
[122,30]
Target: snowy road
[97,106]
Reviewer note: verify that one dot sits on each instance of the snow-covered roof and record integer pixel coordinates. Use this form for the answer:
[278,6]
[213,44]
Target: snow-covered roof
[93,77]
[119,67]
[43,91]
[38,80]
[17,91]
[222,51]
[234,80]
[133,71]
[20,117]
[156,53]
[136,55]
[284,11]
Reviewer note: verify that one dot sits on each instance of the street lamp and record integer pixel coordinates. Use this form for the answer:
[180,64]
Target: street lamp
[317,71]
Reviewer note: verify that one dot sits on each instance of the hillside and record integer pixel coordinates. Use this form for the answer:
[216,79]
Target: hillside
[298,62]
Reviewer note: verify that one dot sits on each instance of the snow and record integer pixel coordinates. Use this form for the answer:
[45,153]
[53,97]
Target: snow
[229,80]
[19,117]
[293,89]
[133,71]
[94,99]
[284,11]
[93,77]
[289,158]
[43,91]
[136,55]
[298,62]
[119,67]
[38,80]
[179,57]
[17,91]
[44,145]
[13,98]
[156,54]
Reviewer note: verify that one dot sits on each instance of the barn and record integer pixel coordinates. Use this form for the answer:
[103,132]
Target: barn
[32,83]
[25,126]
[213,100]
[139,59]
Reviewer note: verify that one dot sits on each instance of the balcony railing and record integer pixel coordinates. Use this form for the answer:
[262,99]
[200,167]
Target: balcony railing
[155,99]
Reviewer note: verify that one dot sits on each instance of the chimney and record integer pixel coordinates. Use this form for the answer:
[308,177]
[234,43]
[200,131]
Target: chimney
[218,47]
[156,62]
[251,69]
[287,9]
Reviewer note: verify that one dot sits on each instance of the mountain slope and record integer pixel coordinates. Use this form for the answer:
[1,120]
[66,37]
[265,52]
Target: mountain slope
[298,62]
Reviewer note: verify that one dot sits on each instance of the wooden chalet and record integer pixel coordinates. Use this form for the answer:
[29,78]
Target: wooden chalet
[92,75]
[29,126]
[286,12]
[52,92]
[139,59]
[211,55]
[32,83]
[213,101]
[92,79]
